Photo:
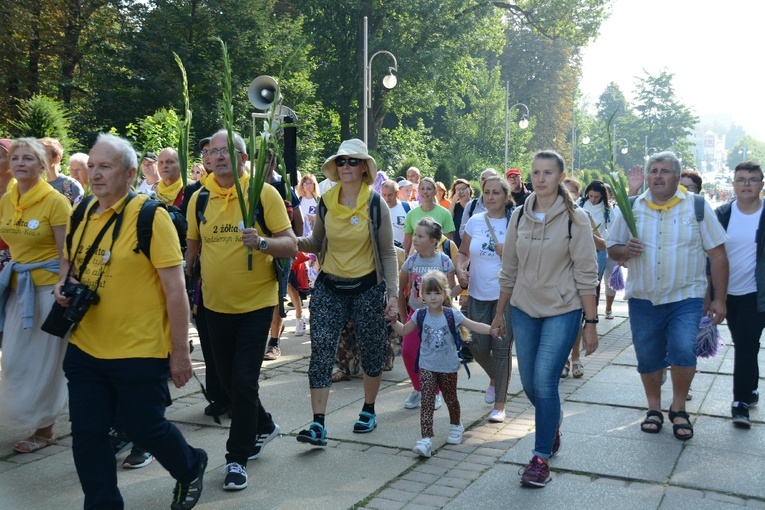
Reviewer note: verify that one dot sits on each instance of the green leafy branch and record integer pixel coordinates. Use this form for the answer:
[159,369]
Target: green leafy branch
[184,125]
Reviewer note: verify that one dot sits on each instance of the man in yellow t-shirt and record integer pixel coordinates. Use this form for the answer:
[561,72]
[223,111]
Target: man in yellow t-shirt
[116,366]
[239,298]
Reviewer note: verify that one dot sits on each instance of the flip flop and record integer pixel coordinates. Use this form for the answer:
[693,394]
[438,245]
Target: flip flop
[577,369]
[609,314]
[36,443]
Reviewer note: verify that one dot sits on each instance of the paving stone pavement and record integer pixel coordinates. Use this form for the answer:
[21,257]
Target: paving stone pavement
[605,461]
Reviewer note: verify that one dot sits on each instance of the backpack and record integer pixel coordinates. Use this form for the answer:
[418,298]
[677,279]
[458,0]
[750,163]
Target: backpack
[281,266]
[606,211]
[698,206]
[143,225]
[419,316]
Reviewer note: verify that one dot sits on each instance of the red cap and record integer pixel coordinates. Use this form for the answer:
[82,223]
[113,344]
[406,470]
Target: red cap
[512,171]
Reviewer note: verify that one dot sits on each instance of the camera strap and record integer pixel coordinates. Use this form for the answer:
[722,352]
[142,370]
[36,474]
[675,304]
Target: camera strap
[116,220]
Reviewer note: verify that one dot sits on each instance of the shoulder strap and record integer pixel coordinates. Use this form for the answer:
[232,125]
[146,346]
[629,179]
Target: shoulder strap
[78,214]
[202,199]
[632,200]
[374,211]
[449,314]
[144,225]
[698,207]
[471,207]
[406,206]
[520,215]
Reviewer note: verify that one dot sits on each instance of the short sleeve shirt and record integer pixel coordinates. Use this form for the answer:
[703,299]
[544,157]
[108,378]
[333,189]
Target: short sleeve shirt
[417,266]
[485,264]
[438,348]
[438,213]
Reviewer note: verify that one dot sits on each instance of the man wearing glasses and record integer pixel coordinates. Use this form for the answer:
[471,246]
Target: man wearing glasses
[517,189]
[150,170]
[239,297]
[746,285]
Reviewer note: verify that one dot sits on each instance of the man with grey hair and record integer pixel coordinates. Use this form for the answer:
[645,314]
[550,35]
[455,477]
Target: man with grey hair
[667,283]
[398,210]
[170,186]
[476,206]
[125,377]
[238,262]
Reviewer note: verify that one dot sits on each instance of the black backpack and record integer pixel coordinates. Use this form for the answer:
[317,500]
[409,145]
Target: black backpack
[143,225]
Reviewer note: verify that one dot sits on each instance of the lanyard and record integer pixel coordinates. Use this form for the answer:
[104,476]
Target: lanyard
[115,220]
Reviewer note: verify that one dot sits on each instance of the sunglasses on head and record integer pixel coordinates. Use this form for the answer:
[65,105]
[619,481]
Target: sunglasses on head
[351,161]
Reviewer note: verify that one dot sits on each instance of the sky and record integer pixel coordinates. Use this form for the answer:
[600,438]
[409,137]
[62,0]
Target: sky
[714,49]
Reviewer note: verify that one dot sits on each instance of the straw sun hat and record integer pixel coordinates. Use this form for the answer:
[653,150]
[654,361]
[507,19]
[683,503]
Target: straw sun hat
[353,148]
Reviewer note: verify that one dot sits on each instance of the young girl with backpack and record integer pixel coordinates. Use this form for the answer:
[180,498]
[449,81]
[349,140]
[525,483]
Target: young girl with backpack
[439,355]
[427,234]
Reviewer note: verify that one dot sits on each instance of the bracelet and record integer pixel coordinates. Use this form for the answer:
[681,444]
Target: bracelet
[591,321]
[464,287]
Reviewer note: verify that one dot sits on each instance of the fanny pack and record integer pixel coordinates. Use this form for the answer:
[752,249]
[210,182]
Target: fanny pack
[348,286]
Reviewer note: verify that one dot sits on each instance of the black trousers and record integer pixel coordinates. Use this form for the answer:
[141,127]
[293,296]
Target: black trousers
[746,325]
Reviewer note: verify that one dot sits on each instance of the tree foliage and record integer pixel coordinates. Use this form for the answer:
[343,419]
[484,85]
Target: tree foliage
[42,116]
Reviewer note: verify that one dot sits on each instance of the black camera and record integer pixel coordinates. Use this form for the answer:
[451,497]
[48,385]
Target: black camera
[61,319]
[82,297]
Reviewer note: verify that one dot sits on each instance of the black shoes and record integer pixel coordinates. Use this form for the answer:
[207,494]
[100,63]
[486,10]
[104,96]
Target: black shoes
[217,408]
[739,411]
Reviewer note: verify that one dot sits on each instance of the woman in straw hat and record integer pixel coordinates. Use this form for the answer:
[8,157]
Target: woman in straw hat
[358,281]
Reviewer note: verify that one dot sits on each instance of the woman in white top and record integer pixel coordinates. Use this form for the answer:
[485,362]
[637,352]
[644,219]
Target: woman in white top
[308,191]
[481,250]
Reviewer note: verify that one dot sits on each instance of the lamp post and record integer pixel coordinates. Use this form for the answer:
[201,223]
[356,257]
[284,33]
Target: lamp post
[388,82]
[523,123]
[650,151]
[743,150]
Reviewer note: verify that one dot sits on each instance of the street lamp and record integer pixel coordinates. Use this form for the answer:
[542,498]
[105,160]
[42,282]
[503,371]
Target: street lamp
[523,123]
[388,82]
[743,151]
[650,151]
[625,146]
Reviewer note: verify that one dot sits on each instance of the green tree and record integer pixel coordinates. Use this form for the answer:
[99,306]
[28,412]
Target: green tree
[42,116]
[665,122]
[746,149]
[154,132]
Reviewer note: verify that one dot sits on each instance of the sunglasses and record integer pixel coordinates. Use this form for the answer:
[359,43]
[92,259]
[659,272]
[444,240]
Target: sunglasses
[351,161]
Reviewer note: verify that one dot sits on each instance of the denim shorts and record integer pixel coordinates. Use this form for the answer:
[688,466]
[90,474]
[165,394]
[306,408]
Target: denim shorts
[666,334]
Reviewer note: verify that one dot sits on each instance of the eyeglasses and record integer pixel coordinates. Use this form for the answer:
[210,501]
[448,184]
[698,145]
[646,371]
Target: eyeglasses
[751,182]
[692,188]
[351,161]
[309,183]
[461,188]
[222,151]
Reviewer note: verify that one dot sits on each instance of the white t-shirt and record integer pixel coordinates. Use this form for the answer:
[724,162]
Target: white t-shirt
[484,261]
[398,217]
[742,250]
[145,187]
[308,207]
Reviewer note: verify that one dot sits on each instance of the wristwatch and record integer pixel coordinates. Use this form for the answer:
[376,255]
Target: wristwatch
[262,245]
[591,321]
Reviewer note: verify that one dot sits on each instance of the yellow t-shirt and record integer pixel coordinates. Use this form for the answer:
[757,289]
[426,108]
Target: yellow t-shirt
[349,248]
[227,285]
[130,320]
[31,238]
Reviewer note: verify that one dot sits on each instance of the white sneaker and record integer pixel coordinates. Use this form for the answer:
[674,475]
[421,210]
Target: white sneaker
[497,416]
[300,327]
[423,447]
[455,434]
[439,402]
[490,395]
[413,400]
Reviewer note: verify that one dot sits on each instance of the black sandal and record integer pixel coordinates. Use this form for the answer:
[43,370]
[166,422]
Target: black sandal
[680,426]
[650,422]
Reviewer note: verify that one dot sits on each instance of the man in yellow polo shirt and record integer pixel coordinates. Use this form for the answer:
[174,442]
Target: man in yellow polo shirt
[239,301]
[115,365]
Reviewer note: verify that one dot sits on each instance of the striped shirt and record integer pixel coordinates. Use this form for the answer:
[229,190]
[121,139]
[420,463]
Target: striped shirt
[674,245]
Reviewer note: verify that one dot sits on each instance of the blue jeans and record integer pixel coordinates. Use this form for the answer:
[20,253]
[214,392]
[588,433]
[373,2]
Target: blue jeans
[239,343]
[136,390]
[666,334]
[542,345]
